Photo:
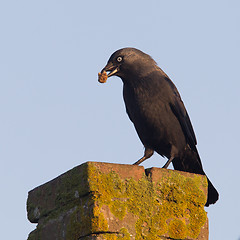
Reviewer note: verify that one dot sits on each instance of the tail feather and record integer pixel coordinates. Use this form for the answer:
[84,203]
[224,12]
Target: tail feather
[190,162]
[212,194]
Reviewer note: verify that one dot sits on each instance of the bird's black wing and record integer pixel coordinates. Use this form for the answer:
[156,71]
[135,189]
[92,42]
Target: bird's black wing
[181,114]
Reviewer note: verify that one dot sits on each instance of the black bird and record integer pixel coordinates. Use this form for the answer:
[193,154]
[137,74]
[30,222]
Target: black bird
[155,107]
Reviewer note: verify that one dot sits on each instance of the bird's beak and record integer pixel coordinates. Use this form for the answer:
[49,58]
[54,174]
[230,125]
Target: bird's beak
[111,69]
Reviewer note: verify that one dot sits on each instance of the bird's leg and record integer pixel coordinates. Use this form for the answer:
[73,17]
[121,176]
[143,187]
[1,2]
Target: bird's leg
[168,162]
[147,154]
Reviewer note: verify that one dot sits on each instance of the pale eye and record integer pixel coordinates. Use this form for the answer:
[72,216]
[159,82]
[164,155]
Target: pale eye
[119,59]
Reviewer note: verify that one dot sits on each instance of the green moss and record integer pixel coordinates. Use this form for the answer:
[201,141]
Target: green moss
[160,207]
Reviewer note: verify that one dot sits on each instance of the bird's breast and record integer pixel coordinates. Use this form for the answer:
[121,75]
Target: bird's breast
[153,119]
[144,110]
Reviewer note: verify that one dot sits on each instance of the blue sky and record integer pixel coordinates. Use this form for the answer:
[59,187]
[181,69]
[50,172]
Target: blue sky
[55,115]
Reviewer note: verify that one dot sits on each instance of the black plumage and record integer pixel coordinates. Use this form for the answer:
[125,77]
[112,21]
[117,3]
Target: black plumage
[155,107]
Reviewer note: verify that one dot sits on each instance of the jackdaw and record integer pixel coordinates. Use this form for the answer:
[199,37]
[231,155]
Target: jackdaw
[155,107]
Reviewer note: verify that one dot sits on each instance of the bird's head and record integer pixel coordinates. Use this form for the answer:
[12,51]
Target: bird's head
[128,62]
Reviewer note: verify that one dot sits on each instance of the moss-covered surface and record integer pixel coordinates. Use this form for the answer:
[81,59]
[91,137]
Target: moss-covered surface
[171,207]
[52,198]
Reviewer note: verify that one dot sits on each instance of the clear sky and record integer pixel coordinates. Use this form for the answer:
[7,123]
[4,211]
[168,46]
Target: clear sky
[55,115]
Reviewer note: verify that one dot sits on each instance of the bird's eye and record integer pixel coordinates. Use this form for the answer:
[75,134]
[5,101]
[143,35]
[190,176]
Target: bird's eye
[119,59]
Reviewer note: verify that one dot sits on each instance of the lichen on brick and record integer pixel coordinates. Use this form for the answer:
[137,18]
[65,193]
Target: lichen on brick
[98,222]
[160,207]
[118,208]
[86,219]
[177,229]
[92,196]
